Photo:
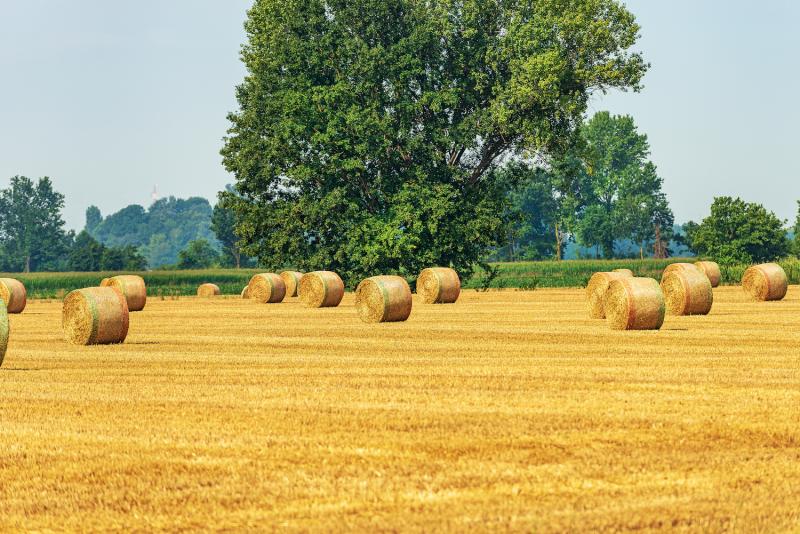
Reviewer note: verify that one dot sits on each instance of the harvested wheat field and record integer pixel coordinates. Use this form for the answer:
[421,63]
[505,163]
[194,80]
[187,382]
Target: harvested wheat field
[506,410]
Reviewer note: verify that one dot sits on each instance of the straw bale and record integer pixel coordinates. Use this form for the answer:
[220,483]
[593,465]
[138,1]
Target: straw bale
[765,282]
[95,316]
[132,288]
[208,290]
[266,288]
[634,304]
[711,269]
[381,299]
[687,292]
[292,281]
[14,294]
[321,289]
[596,291]
[438,285]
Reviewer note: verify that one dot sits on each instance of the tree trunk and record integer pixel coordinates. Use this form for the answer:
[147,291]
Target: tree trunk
[238,257]
[641,251]
[558,244]
[28,263]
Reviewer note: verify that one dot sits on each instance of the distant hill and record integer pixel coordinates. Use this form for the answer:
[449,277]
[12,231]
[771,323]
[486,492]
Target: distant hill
[160,232]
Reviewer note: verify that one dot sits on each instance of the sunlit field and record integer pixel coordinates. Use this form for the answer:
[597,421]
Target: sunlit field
[507,410]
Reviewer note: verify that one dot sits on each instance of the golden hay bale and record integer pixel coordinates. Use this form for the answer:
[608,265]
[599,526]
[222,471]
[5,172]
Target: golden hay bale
[711,269]
[672,267]
[208,290]
[13,293]
[626,272]
[4,331]
[266,288]
[292,281]
[634,304]
[95,316]
[246,292]
[596,291]
[687,292]
[765,282]
[383,299]
[132,288]
[321,289]
[438,285]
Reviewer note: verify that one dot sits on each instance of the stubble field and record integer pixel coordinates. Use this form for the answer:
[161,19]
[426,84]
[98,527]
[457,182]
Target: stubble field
[509,410]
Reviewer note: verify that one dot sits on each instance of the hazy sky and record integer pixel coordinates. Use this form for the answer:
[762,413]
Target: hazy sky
[110,99]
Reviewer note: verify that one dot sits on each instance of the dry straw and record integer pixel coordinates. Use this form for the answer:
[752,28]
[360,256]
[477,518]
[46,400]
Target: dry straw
[596,292]
[13,293]
[383,299]
[321,289]
[292,281]
[711,269]
[687,292]
[634,304]
[208,290]
[672,267]
[266,288]
[95,316]
[438,285]
[246,292]
[132,288]
[4,331]
[765,282]
[626,272]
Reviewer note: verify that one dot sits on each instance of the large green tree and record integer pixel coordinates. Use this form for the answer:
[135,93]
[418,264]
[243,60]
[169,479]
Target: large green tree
[369,131]
[740,232]
[32,235]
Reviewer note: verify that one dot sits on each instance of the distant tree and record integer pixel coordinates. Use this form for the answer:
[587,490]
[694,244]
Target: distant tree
[86,253]
[93,218]
[125,258]
[368,133]
[797,231]
[223,224]
[646,216]
[198,254]
[690,231]
[32,234]
[740,232]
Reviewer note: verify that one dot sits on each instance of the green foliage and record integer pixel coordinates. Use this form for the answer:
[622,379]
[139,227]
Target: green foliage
[87,254]
[797,231]
[198,254]
[160,232]
[740,232]
[93,218]
[32,235]
[223,224]
[368,132]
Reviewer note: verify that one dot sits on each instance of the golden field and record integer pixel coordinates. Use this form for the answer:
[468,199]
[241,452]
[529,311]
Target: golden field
[509,410]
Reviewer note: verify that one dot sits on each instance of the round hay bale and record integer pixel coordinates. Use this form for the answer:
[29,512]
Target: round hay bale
[132,288]
[634,304]
[321,289]
[208,290]
[596,291]
[711,269]
[14,294]
[626,272]
[95,316]
[672,267]
[383,299]
[687,292]
[765,282]
[4,331]
[438,285]
[292,281]
[266,288]
[246,292]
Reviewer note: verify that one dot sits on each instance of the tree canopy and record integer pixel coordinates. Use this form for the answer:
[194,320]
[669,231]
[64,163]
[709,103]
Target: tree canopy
[369,131]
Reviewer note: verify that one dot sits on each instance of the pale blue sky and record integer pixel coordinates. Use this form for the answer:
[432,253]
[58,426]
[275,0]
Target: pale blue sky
[112,98]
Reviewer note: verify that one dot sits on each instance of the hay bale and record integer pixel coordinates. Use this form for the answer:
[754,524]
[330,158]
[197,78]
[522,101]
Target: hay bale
[246,292]
[626,272]
[383,299]
[266,288]
[765,282]
[95,316]
[4,331]
[438,285]
[292,281]
[711,270]
[672,267]
[634,304]
[208,290]
[687,292]
[321,289]
[132,288]
[14,294]
[596,291]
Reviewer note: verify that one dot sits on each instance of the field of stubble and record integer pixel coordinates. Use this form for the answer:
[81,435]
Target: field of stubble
[507,411]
